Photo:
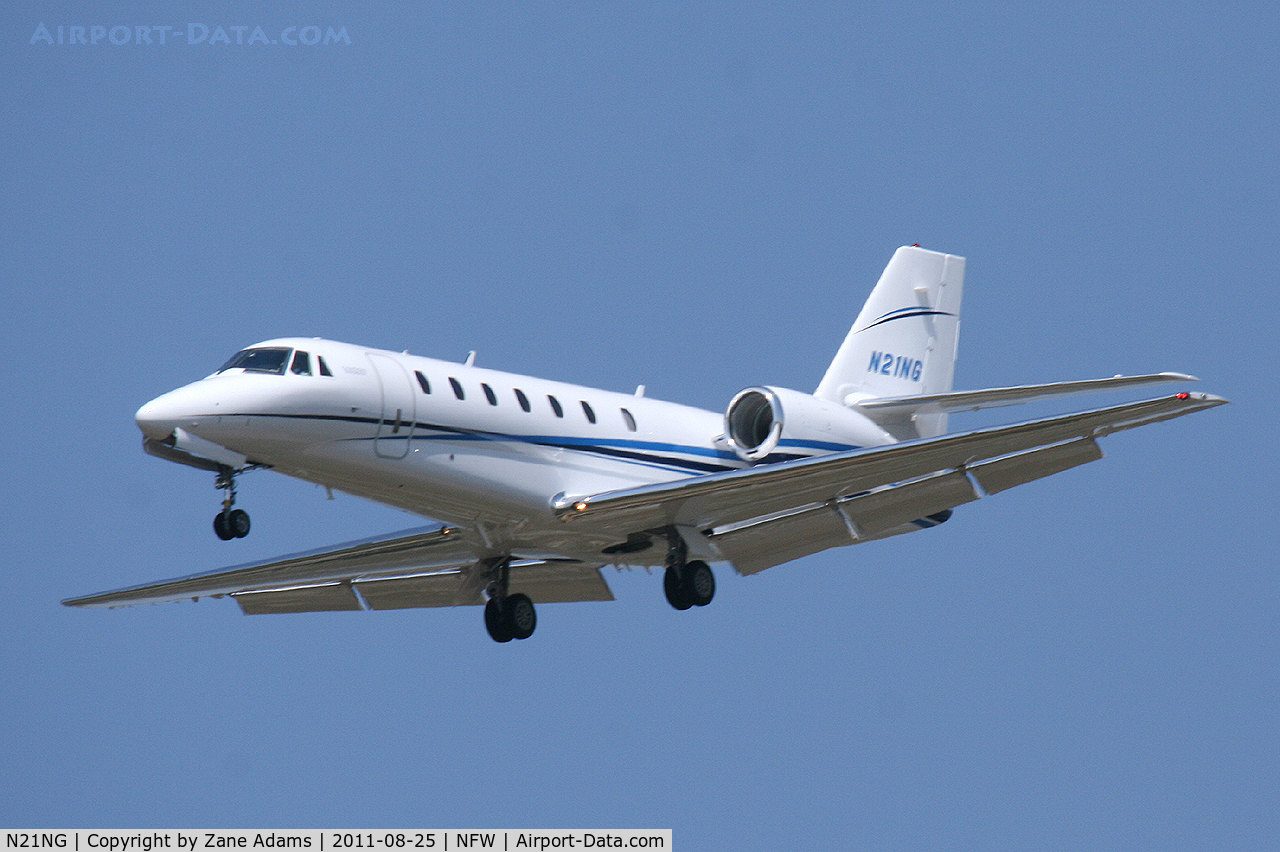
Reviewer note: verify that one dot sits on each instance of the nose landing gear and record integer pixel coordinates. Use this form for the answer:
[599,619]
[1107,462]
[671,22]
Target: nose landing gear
[230,523]
[233,524]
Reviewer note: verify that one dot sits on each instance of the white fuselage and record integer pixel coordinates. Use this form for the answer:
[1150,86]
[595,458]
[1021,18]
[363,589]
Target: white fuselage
[449,441]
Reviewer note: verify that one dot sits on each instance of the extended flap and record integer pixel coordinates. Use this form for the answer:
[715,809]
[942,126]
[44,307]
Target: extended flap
[326,597]
[889,507]
[1002,474]
[755,546]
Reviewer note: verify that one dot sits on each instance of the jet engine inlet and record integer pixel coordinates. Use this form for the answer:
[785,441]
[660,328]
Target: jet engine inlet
[753,423]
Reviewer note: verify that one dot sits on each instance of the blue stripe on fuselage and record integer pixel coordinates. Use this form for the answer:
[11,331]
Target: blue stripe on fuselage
[640,452]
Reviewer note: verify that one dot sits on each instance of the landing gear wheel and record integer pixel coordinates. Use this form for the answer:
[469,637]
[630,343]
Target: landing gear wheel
[508,618]
[238,523]
[495,621]
[230,523]
[522,618]
[699,583]
[694,585]
[677,594]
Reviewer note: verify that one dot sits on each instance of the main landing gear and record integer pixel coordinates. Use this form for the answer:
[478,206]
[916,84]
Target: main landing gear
[230,523]
[510,617]
[507,616]
[692,585]
[686,583]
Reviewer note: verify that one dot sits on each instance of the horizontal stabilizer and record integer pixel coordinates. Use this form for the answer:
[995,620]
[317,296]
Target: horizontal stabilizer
[973,400]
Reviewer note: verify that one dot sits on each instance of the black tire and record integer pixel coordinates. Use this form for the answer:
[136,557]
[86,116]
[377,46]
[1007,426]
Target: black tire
[676,593]
[221,528]
[522,618]
[238,523]
[699,583]
[495,622]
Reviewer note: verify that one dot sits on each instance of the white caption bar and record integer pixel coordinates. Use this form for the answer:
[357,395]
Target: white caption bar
[333,840]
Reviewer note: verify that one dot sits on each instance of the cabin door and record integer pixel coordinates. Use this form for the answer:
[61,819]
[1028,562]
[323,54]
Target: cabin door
[395,429]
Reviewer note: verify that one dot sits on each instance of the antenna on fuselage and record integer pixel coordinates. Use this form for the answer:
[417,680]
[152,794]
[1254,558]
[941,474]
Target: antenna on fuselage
[470,359]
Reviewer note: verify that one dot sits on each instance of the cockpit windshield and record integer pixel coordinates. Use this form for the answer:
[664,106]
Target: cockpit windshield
[267,359]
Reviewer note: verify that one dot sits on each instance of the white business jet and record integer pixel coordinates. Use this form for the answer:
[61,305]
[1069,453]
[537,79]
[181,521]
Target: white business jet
[540,484]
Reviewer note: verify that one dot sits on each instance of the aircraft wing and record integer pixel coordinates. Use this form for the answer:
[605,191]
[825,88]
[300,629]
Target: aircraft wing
[770,514]
[424,567]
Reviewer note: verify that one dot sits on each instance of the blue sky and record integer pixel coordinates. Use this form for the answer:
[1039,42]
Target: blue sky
[698,198]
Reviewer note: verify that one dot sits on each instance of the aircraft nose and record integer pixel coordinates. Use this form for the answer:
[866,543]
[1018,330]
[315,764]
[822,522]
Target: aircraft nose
[159,417]
[190,407]
[155,420]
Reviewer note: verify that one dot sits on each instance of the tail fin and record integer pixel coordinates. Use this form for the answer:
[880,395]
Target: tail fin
[904,340]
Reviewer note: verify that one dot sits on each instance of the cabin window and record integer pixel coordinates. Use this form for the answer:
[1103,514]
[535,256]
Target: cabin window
[586,409]
[630,421]
[522,399]
[324,368]
[489,394]
[265,360]
[301,364]
[555,405]
[457,388]
[422,381]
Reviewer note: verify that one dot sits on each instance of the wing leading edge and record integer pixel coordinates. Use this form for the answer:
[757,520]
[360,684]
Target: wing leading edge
[770,514]
[425,567]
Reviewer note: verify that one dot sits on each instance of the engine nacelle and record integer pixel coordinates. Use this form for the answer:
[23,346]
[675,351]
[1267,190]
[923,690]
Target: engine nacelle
[762,421]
